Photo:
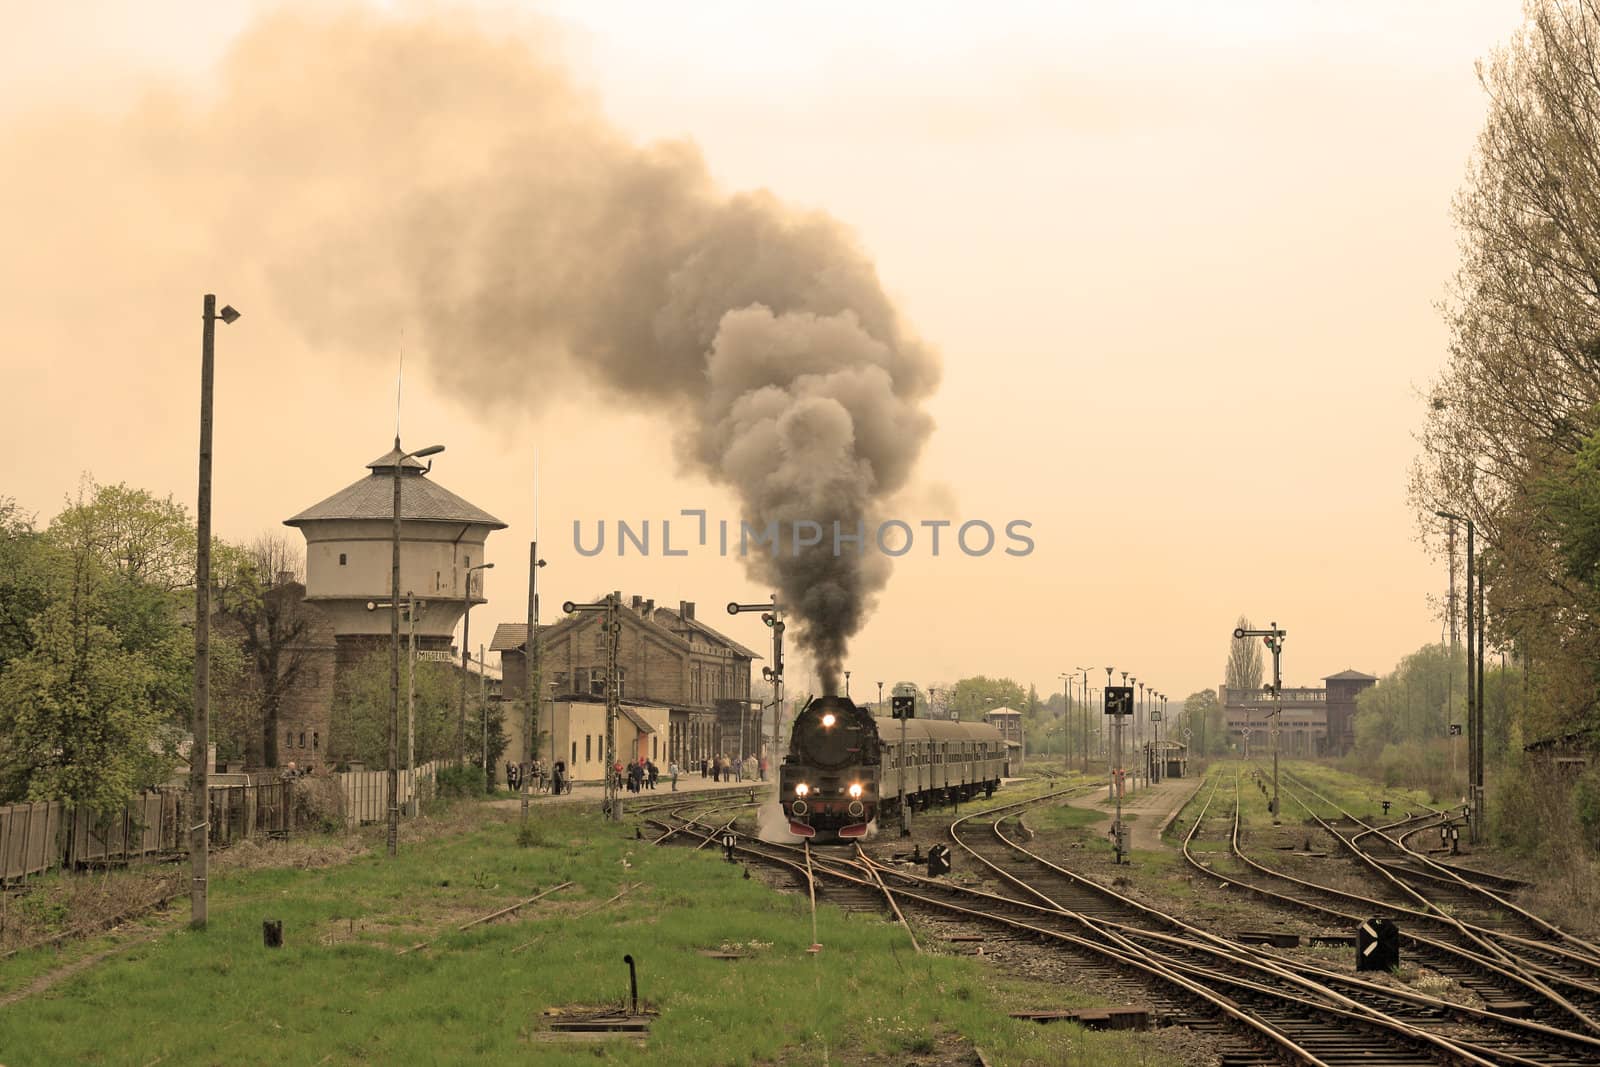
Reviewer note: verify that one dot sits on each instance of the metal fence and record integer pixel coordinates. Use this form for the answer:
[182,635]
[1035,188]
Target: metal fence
[35,838]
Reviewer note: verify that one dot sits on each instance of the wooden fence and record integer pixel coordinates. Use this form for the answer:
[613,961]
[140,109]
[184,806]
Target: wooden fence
[366,793]
[39,837]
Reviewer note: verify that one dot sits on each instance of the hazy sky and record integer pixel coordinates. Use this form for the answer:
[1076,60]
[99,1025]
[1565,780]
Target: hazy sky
[1181,265]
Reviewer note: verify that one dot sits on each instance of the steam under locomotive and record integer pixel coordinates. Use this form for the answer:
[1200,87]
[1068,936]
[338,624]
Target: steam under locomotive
[844,766]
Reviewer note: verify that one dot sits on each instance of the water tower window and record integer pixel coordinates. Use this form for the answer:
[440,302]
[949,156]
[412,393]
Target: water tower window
[342,560]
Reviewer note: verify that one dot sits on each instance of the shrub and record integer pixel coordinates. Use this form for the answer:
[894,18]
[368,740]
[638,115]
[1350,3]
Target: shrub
[463,781]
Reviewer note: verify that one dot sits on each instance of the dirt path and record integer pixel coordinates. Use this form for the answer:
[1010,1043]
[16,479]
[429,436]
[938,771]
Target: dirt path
[83,963]
[1152,805]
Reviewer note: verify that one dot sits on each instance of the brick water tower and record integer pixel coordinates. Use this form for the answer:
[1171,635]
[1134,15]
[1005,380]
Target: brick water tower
[349,546]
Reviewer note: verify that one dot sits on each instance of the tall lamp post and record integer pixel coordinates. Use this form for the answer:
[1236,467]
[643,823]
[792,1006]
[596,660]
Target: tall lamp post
[200,745]
[1085,672]
[1066,721]
[394,644]
[1131,680]
[1474,711]
[466,630]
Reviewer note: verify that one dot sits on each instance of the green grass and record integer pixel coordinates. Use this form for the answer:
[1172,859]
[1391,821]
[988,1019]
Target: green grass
[339,993]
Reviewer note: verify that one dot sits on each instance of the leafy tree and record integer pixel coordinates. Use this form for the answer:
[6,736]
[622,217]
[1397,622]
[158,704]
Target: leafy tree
[25,590]
[89,705]
[77,718]
[1244,667]
[1208,728]
[360,725]
[973,697]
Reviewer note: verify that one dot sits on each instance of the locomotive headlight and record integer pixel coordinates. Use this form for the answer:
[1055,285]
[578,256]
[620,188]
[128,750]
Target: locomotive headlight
[855,789]
[802,790]
[828,719]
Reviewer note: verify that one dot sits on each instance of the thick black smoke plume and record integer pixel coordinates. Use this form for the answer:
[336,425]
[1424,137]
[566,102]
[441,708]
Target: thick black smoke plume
[433,169]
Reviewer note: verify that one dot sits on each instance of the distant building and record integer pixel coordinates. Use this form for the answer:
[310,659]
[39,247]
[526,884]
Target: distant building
[1316,721]
[685,689]
[1343,688]
[1009,722]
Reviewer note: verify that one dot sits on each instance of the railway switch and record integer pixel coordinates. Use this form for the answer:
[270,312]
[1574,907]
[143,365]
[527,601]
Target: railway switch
[1377,945]
[938,860]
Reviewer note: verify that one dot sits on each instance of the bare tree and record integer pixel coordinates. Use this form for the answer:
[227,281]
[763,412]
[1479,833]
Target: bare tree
[261,594]
[1244,660]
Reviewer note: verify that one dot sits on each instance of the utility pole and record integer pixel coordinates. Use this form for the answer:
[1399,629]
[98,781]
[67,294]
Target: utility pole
[1474,723]
[200,743]
[411,700]
[466,630]
[394,642]
[1480,807]
[483,711]
[532,676]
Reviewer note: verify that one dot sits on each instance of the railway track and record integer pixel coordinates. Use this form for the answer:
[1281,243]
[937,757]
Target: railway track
[1258,1009]
[1512,1004]
[1549,964]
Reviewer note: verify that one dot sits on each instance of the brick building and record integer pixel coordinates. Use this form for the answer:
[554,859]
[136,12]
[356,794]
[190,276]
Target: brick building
[349,560]
[1316,720]
[685,688]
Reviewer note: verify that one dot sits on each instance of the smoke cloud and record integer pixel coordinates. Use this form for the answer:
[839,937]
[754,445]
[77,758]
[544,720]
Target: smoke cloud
[439,172]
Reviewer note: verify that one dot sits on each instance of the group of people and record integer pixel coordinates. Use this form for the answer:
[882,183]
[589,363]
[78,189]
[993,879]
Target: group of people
[641,774]
[638,775]
[533,775]
[737,769]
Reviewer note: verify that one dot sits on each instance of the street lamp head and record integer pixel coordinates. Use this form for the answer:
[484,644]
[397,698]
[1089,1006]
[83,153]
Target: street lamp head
[567,607]
[431,450]
[733,607]
[482,567]
[228,314]
[536,563]
[372,605]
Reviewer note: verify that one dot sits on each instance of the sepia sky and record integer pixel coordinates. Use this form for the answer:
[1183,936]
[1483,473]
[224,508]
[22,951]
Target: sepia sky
[1181,265]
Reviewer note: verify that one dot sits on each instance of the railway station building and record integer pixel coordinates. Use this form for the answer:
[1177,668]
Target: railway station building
[685,689]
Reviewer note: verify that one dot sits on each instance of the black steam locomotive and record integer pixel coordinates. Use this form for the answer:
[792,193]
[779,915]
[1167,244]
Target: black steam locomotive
[845,766]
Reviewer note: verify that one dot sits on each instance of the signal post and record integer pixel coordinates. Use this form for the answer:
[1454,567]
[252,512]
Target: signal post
[1273,638]
[772,615]
[612,628]
[1119,703]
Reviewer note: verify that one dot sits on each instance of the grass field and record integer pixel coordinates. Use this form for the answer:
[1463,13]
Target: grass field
[340,991]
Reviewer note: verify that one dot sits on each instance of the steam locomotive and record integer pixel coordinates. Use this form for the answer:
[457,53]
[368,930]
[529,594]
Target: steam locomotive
[845,766]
